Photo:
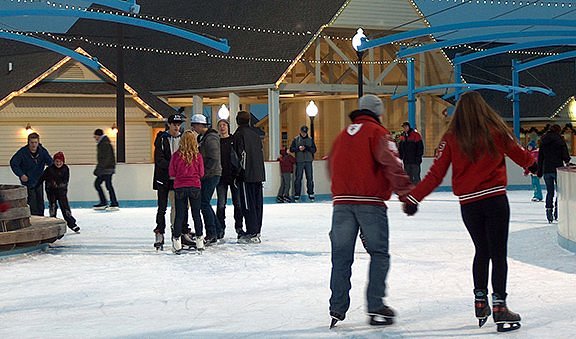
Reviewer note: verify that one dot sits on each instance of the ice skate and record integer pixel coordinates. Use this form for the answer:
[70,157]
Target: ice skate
[382,317]
[250,239]
[505,319]
[481,306]
[549,215]
[188,241]
[100,207]
[159,242]
[279,200]
[176,245]
[112,208]
[200,243]
[312,198]
[336,317]
[75,228]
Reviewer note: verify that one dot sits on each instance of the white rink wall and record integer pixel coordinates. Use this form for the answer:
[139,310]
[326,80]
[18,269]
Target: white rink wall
[133,182]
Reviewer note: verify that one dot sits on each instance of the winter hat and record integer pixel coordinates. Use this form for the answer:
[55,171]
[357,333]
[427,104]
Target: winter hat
[304,129]
[176,118]
[223,120]
[59,155]
[243,118]
[406,123]
[199,119]
[371,103]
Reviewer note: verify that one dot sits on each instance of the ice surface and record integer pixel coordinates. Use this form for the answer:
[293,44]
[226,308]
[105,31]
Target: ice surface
[108,281]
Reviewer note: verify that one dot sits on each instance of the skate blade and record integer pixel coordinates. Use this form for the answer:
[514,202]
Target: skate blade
[482,321]
[333,323]
[103,208]
[380,320]
[113,209]
[501,327]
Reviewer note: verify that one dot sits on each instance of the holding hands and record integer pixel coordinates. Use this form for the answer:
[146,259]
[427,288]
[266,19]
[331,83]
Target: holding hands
[408,206]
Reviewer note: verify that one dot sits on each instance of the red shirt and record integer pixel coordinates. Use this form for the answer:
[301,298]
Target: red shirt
[364,165]
[471,181]
[186,175]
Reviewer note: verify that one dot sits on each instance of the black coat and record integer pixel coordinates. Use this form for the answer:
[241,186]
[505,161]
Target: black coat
[162,156]
[553,153]
[106,160]
[56,179]
[248,146]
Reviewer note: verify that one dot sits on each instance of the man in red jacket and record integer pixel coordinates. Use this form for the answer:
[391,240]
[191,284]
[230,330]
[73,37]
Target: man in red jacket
[365,170]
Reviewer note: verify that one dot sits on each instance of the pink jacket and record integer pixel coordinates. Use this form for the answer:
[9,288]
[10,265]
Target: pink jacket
[186,175]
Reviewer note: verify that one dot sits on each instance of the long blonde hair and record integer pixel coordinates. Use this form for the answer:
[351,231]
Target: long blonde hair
[188,148]
[474,123]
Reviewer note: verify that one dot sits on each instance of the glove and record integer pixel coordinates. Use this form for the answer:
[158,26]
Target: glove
[408,206]
[533,169]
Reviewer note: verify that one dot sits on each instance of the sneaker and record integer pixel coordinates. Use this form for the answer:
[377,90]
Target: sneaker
[113,208]
[101,206]
[382,317]
[250,239]
[75,228]
[312,198]
[200,242]
[176,245]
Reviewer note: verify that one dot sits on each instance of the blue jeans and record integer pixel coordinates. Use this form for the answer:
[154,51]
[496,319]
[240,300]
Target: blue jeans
[107,180]
[183,197]
[346,221]
[536,187]
[550,181]
[301,169]
[210,221]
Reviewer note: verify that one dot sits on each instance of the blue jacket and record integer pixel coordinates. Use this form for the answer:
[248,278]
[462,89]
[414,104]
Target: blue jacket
[23,162]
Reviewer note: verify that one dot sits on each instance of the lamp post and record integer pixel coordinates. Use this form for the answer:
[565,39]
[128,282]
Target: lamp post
[223,112]
[312,112]
[356,42]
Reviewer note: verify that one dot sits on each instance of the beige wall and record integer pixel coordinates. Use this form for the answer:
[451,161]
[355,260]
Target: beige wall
[67,124]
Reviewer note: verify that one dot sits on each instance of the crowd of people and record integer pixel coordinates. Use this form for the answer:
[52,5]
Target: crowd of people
[191,165]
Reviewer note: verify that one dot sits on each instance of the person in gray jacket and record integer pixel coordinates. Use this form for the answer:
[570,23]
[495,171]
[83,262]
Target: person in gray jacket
[105,168]
[209,144]
[250,151]
[304,148]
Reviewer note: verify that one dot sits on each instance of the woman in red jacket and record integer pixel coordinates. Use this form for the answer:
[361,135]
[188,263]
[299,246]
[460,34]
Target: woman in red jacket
[475,144]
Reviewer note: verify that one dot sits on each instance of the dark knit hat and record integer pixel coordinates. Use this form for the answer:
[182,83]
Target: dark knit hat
[243,118]
[223,120]
[304,129]
[59,155]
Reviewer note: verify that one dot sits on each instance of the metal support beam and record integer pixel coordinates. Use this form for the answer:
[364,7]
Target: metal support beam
[120,99]
[411,95]
[220,45]
[273,124]
[90,63]
[366,44]
[457,80]
[515,99]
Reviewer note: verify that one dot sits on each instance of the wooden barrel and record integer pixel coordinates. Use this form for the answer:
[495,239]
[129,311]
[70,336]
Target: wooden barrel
[18,216]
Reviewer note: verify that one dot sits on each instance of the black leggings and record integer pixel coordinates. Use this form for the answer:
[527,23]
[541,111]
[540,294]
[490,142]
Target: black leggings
[487,222]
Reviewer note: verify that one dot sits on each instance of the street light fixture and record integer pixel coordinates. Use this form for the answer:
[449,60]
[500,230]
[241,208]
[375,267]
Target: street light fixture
[312,112]
[223,112]
[356,42]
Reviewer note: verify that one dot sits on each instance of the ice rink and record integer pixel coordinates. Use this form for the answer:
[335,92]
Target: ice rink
[108,281]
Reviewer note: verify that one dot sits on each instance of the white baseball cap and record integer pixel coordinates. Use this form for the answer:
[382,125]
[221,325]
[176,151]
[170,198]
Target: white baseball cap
[198,119]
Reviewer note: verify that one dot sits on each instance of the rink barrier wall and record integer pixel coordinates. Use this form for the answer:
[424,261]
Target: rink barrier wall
[133,183]
[566,202]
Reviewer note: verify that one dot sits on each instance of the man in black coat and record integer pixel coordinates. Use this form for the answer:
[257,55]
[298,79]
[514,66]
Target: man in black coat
[411,150]
[553,153]
[248,146]
[165,144]
[105,168]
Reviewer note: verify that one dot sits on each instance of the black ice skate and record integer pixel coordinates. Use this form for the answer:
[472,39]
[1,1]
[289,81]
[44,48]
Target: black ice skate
[336,317]
[382,317]
[505,319]
[549,215]
[481,306]
[159,242]
[188,241]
